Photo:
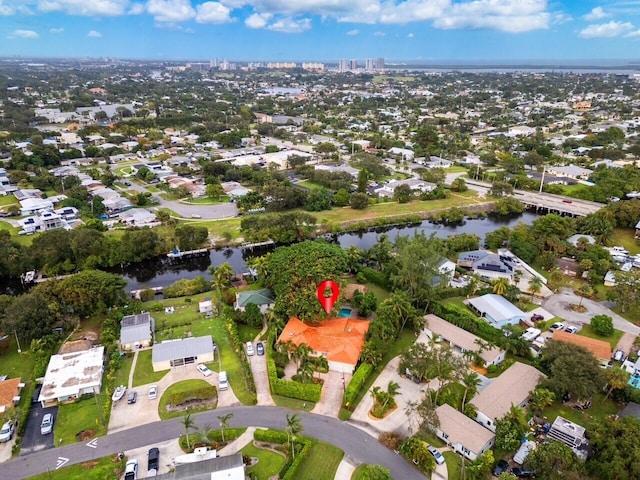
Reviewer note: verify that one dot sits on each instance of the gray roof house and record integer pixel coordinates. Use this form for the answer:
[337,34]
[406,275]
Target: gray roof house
[462,434]
[263,298]
[497,310]
[185,351]
[487,264]
[136,331]
[228,467]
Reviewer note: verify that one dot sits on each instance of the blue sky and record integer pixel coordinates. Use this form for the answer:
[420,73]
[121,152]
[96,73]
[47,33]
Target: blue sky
[324,30]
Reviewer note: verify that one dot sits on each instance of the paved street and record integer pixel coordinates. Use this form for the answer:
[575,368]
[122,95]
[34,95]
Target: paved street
[560,305]
[356,443]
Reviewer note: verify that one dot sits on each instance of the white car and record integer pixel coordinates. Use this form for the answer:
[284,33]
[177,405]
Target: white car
[204,370]
[436,454]
[557,326]
[6,433]
[131,470]
[250,350]
[153,392]
[571,329]
[46,427]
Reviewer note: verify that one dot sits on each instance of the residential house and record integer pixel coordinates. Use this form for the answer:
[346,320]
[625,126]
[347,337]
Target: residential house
[405,152]
[462,341]
[205,305]
[44,220]
[571,171]
[263,298]
[10,391]
[32,205]
[228,467]
[567,266]
[599,348]
[462,434]
[184,351]
[136,331]
[497,310]
[511,388]
[139,217]
[71,375]
[488,265]
[339,340]
[434,162]
[415,184]
[571,434]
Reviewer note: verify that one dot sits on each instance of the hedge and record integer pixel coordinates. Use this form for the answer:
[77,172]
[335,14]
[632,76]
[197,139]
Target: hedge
[270,436]
[288,470]
[374,276]
[308,392]
[467,321]
[202,393]
[355,384]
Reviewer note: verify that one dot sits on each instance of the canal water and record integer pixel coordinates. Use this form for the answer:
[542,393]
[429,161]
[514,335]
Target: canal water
[162,272]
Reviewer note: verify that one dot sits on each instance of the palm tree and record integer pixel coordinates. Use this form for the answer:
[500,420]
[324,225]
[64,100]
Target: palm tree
[294,427]
[401,305]
[617,379]
[500,286]
[224,422]
[260,264]
[301,353]
[393,389]
[221,278]
[305,370]
[188,424]
[470,381]
[535,285]
[354,258]
[584,291]
[540,398]
[204,432]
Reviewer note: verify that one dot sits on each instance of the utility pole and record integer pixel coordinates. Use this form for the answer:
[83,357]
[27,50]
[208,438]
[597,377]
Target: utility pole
[544,169]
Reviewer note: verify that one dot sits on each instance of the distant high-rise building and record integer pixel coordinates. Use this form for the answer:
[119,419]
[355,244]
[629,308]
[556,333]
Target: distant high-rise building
[370,64]
[281,65]
[353,64]
[344,65]
[313,66]
[380,63]
[213,63]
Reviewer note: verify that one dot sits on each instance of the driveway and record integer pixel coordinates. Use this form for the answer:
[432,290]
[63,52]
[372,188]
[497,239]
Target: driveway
[261,379]
[332,393]
[560,305]
[168,451]
[32,440]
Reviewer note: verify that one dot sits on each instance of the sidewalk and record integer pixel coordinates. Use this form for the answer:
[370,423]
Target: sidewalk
[239,443]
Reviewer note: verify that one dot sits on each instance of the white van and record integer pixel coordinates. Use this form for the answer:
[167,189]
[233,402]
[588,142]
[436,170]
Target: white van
[223,383]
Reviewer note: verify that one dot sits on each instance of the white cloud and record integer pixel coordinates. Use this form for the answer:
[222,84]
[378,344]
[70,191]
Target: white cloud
[5,10]
[353,32]
[257,20]
[94,34]
[24,34]
[605,30]
[85,7]
[560,18]
[290,25]
[56,30]
[597,13]
[136,9]
[633,34]
[171,10]
[213,12]
[411,35]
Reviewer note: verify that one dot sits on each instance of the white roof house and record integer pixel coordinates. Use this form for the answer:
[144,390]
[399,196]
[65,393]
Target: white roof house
[497,310]
[71,375]
[414,183]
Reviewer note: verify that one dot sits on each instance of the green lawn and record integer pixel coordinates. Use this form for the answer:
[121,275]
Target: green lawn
[86,414]
[6,200]
[625,237]
[187,320]
[310,185]
[122,374]
[247,333]
[206,200]
[613,340]
[454,465]
[321,463]
[14,364]
[381,293]
[269,462]
[402,344]
[598,410]
[431,439]
[179,387]
[144,373]
[105,468]
[293,403]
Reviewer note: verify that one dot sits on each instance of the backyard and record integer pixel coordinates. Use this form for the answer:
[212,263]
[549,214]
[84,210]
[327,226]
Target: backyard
[321,463]
[613,340]
[144,373]
[269,462]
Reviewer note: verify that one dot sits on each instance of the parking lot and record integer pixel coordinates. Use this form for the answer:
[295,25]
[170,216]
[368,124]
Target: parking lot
[32,440]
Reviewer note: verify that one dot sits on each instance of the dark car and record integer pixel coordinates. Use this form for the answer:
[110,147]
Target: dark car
[132,396]
[501,467]
[153,460]
[260,348]
[522,472]
[36,394]
[536,317]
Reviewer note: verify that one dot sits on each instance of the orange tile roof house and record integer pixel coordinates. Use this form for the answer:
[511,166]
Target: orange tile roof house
[600,349]
[10,393]
[340,340]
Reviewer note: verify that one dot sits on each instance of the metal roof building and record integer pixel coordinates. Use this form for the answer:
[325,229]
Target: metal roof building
[173,353]
[497,310]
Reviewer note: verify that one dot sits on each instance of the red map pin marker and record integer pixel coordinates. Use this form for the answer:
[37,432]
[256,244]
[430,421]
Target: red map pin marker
[328,302]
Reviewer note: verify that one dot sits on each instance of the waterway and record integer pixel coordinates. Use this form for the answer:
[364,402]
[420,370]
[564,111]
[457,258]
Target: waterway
[163,272]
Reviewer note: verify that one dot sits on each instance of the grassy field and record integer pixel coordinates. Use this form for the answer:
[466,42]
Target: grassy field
[105,468]
[144,373]
[14,364]
[380,293]
[625,237]
[310,185]
[293,403]
[122,375]
[599,409]
[7,200]
[247,333]
[613,340]
[454,465]
[183,386]
[185,321]
[87,414]
[402,344]
[269,462]
[206,200]
[321,463]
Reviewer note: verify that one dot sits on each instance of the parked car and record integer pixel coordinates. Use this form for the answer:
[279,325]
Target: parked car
[36,393]
[153,460]
[6,432]
[46,427]
[536,317]
[260,348]
[571,329]
[223,383]
[250,350]
[436,454]
[522,472]
[195,215]
[557,326]
[618,355]
[501,467]
[202,368]
[132,396]
[153,392]
[131,470]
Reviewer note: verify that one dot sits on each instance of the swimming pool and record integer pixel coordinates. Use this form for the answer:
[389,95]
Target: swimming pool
[344,313]
[634,381]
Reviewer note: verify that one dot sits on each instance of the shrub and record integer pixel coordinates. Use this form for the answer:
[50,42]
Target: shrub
[390,440]
[203,393]
[147,295]
[602,325]
[270,436]
[374,276]
[356,383]
[186,287]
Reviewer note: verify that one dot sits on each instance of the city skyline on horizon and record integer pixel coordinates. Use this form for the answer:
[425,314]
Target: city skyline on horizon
[507,31]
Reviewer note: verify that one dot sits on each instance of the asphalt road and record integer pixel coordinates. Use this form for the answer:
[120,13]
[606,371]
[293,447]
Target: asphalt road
[357,444]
